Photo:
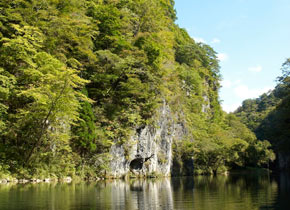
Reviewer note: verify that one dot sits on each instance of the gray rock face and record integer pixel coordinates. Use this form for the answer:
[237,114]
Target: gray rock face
[206,105]
[284,161]
[147,141]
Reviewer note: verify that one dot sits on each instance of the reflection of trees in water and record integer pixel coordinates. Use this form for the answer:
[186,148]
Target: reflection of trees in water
[183,192]
[234,192]
[45,196]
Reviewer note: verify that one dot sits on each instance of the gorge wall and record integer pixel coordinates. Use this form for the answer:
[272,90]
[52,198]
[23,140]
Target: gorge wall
[153,141]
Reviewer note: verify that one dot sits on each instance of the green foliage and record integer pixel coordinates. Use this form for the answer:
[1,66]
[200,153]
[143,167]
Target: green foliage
[43,102]
[85,130]
[129,57]
[254,111]
[285,78]
[6,85]
[88,138]
[219,146]
[109,23]
[260,154]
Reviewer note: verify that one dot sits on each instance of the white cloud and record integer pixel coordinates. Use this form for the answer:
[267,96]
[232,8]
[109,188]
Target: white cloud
[255,68]
[226,83]
[244,92]
[230,107]
[222,57]
[215,41]
[237,82]
[199,40]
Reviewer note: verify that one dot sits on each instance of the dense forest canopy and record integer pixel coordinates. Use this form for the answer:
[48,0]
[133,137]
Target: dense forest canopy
[78,76]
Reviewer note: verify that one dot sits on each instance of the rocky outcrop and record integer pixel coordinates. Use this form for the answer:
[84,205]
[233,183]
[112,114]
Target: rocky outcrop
[206,104]
[154,141]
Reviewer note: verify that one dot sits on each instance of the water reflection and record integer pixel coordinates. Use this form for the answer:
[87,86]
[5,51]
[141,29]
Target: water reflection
[136,194]
[201,192]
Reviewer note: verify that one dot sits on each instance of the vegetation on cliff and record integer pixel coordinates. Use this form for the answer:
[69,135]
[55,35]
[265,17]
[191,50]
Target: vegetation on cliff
[78,76]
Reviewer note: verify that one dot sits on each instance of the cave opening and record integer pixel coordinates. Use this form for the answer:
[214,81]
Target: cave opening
[137,163]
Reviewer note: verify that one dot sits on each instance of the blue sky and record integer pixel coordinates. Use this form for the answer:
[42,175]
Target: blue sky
[251,37]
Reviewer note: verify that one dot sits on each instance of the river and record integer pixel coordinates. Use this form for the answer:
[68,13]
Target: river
[231,192]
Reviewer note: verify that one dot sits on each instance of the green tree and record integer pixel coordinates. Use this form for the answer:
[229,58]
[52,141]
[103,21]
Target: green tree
[44,101]
[6,85]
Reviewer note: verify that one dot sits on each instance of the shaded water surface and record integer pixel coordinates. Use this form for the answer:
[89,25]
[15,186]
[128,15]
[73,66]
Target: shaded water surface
[245,192]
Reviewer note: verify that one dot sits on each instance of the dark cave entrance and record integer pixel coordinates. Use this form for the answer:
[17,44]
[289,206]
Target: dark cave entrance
[137,163]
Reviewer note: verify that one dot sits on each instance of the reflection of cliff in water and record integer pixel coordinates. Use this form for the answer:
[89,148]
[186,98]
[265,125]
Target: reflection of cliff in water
[137,194]
[282,201]
[233,192]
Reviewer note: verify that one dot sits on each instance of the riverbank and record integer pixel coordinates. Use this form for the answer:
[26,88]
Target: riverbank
[69,179]
[34,180]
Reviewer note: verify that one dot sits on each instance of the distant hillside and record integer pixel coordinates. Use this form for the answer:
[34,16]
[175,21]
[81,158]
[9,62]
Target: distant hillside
[269,116]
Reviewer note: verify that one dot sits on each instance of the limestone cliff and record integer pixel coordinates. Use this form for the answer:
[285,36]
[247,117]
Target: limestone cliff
[149,141]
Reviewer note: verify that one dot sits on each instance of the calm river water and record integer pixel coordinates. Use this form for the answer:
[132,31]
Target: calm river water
[245,192]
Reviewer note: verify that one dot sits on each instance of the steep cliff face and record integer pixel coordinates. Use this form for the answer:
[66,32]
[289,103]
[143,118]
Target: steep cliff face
[152,142]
